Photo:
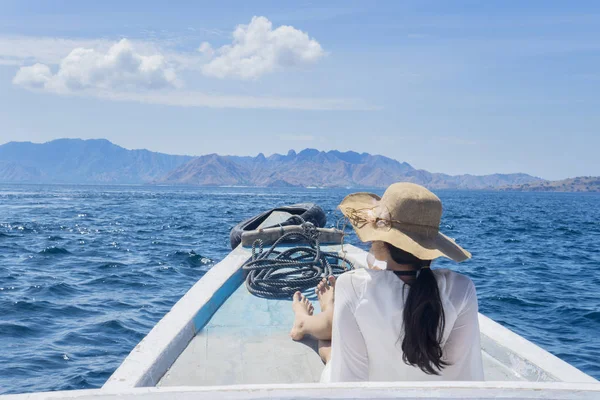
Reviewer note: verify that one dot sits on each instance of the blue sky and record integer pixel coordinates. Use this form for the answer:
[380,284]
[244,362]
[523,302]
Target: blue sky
[457,87]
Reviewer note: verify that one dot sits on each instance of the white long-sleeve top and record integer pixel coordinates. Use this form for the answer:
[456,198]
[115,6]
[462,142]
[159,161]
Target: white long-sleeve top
[367,329]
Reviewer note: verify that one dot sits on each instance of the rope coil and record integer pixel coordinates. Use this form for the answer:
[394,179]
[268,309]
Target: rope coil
[279,274]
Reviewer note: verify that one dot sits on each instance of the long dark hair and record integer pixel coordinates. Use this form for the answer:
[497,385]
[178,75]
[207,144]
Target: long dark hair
[423,316]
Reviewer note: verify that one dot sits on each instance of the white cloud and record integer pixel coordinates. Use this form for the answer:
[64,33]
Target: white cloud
[258,49]
[22,50]
[125,71]
[35,76]
[46,50]
[120,67]
[206,49]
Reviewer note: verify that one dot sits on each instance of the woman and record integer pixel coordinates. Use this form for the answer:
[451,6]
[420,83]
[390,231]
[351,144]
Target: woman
[397,320]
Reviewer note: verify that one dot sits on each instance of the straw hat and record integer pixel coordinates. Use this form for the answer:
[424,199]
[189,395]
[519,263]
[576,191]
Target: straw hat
[407,216]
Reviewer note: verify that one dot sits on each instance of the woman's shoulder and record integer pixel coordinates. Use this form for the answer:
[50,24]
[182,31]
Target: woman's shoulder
[353,282]
[457,286]
[358,275]
[456,278]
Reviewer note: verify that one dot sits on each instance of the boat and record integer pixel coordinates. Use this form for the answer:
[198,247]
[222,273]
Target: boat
[221,341]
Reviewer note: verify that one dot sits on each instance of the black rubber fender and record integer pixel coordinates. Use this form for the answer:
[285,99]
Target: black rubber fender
[309,212]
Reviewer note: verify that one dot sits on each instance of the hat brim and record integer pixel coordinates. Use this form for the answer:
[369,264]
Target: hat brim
[422,246]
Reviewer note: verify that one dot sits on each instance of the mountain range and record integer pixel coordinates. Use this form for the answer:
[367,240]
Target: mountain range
[311,167]
[82,161]
[99,161]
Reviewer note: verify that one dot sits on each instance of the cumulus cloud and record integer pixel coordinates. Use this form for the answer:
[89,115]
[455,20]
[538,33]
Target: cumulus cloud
[258,49]
[121,67]
[35,76]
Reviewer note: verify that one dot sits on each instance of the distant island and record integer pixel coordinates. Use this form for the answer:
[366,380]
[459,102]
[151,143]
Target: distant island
[578,184]
[98,161]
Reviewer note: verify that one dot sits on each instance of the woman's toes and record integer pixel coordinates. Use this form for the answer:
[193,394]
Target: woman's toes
[331,280]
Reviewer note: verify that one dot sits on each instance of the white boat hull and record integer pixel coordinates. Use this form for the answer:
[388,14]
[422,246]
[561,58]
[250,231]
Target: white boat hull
[340,391]
[507,356]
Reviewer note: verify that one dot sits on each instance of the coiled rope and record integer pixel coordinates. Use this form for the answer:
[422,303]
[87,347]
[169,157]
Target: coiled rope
[279,274]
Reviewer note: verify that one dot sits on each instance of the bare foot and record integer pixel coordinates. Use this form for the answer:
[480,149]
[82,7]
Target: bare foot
[303,308]
[325,290]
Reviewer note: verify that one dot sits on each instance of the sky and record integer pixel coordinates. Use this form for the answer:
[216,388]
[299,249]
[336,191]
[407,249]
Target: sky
[458,87]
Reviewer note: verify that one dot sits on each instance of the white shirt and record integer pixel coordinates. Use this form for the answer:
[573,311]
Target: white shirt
[367,329]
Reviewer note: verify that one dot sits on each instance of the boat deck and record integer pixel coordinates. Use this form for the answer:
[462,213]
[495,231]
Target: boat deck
[247,342]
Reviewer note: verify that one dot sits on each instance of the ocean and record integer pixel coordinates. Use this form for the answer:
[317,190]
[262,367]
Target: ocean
[87,271]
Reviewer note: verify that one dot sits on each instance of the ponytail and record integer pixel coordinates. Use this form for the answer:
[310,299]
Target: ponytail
[423,317]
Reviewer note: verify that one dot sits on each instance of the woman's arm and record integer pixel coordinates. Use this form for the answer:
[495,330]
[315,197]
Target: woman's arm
[349,360]
[463,349]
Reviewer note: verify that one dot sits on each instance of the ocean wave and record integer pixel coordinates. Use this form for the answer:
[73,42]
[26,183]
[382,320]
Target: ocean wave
[62,289]
[593,315]
[569,231]
[53,250]
[59,289]
[192,258]
[29,305]
[55,238]
[8,329]
[117,326]
[111,265]
[112,279]
[183,227]
[516,301]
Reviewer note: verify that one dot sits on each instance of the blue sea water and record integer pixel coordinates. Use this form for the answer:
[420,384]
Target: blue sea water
[86,271]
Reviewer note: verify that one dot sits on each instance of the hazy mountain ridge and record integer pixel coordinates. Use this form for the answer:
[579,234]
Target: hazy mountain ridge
[82,161]
[100,161]
[11,171]
[312,167]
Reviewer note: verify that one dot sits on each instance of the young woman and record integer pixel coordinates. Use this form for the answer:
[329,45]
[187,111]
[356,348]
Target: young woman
[399,319]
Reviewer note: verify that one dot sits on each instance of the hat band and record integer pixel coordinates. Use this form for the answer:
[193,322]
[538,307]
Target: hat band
[377,217]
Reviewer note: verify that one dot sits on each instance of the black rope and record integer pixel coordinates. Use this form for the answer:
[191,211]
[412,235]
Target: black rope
[278,274]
